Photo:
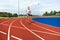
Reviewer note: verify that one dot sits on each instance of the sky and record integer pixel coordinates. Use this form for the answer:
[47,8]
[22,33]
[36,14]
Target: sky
[38,7]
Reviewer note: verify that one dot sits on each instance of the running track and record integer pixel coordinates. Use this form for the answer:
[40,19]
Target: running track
[23,29]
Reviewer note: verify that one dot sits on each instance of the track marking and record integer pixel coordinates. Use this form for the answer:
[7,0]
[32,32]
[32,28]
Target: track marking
[11,35]
[13,26]
[4,21]
[39,31]
[44,28]
[31,31]
[34,30]
[3,32]
[46,32]
[15,37]
[8,37]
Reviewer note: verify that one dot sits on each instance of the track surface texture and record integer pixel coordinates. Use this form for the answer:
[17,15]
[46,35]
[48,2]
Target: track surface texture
[27,29]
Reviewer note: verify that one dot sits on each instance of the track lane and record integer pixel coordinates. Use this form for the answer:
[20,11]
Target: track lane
[46,27]
[24,34]
[5,20]
[31,29]
[36,27]
[8,37]
[21,33]
[4,27]
[3,36]
[42,34]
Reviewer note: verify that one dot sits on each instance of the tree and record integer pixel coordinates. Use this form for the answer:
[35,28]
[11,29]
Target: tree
[51,13]
[15,15]
[9,14]
[58,11]
[54,13]
[46,14]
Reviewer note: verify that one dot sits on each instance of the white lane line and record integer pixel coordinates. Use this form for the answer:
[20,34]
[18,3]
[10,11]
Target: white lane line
[44,28]
[11,35]
[13,26]
[46,32]
[3,32]
[5,24]
[8,37]
[38,31]
[34,30]
[15,37]
[31,31]
[4,21]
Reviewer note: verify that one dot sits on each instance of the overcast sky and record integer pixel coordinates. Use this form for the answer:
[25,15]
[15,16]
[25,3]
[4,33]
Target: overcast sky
[38,7]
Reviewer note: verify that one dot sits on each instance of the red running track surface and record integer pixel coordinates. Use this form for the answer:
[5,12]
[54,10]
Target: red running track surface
[23,29]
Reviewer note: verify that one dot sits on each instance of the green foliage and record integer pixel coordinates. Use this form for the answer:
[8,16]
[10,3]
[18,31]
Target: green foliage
[9,15]
[3,14]
[6,14]
[46,14]
[15,15]
[55,12]
[52,13]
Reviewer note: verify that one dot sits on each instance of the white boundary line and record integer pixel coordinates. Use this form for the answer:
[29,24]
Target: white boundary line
[8,37]
[46,32]
[38,31]
[31,31]
[11,35]
[34,30]
[44,28]
[15,37]
[13,26]
[3,32]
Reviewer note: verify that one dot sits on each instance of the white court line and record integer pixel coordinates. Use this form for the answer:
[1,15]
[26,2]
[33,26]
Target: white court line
[34,30]
[11,35]
[8,37]
[44,28]
[31,31]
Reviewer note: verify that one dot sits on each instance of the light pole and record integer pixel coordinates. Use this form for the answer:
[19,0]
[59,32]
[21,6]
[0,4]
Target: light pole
[18,8]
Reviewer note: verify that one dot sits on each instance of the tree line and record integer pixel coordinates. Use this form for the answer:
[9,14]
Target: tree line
[6,14]
[52,13]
